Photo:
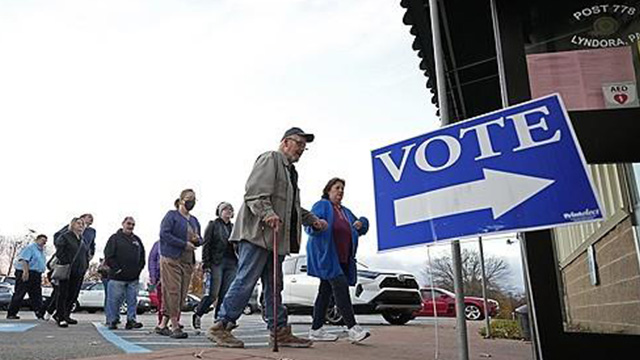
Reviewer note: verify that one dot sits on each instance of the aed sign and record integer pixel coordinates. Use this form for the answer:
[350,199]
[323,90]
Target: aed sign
[516,169]
[620,95]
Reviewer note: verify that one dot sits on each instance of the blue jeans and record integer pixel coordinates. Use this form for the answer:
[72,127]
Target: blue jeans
[117,293]
[105,285]
[254,263]
[222,276]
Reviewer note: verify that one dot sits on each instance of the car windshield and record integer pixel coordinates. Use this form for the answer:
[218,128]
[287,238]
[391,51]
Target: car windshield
[86,285]
[448,292]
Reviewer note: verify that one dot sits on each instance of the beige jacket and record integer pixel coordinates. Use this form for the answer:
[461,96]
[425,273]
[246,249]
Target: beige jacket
[268,191]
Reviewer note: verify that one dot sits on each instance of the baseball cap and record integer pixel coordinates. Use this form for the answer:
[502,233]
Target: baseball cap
[299,132]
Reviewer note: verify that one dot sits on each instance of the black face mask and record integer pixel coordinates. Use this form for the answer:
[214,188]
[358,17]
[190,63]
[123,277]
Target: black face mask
[189,204]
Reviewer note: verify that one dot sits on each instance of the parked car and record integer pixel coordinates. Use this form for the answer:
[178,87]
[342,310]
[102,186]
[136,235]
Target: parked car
[7,280]
[91,298]
[191,302]
[445,303]
[253,305]
[393,294]
[6,292]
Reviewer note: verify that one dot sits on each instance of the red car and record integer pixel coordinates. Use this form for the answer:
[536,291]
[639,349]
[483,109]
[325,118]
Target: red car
[445,302]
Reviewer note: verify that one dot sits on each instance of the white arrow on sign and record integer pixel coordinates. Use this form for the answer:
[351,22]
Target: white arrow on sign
[500,191]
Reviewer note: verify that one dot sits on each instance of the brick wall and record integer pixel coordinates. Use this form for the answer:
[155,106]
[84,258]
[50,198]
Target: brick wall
[612,306]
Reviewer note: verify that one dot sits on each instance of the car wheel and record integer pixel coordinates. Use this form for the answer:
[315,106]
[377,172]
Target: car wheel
[472,312]
[397,317]
[247,310]
[333,315]
[75,307]
[140,311]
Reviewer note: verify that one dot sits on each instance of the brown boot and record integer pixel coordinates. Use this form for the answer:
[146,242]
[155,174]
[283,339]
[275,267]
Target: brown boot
[222,336]
[287,339]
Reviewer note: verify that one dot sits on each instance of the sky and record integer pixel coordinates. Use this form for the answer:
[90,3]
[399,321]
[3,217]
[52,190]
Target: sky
[113,107]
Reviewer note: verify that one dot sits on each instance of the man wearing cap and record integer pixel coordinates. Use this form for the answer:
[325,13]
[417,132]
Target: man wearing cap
[271,208]
[219,262]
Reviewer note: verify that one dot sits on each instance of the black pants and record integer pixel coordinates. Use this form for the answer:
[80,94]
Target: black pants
[33,287]
[51,304]
[339,288]
[68,291]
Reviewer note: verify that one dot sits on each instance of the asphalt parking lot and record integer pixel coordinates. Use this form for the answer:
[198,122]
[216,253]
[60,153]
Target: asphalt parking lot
[32,339]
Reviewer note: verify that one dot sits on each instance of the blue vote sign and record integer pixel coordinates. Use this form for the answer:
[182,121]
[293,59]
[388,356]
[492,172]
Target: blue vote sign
[516,169]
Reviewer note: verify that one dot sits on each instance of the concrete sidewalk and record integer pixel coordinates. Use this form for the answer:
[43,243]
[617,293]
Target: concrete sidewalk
[390,342]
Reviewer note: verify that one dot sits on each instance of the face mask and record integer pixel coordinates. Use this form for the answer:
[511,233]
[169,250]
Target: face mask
[189,204]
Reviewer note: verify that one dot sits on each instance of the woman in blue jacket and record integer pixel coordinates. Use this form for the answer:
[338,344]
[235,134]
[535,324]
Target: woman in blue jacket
[331,257]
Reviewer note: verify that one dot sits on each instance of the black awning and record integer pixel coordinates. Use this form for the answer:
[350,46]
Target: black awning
[470,58]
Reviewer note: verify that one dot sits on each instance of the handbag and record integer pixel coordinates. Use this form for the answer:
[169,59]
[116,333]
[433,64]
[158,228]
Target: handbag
[63,272]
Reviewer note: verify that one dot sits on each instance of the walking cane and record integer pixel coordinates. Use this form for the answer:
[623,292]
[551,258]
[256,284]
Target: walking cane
[274,287]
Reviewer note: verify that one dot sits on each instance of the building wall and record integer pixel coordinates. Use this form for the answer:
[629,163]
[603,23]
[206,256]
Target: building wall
[612,306]
[609,183]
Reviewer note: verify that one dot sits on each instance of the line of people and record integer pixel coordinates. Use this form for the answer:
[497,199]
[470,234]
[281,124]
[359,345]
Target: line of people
[75,246]
[271,217]
[234,257]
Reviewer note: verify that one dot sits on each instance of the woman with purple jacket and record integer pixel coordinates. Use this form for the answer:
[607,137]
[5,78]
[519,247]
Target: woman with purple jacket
[154,279]
[179,236]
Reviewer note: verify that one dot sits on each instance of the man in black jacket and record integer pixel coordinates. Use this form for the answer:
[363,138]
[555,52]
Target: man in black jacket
[125,257]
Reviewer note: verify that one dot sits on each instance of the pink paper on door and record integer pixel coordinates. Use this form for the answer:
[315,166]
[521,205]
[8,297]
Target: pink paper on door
[579,75]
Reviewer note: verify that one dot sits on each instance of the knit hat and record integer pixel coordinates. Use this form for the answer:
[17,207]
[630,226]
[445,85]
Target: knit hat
[223,205]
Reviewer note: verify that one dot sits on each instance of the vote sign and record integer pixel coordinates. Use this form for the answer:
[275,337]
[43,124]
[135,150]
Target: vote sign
[515,169]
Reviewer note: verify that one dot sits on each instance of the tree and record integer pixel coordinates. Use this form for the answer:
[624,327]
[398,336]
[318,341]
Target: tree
[496,270]
[92,273]
[10,247]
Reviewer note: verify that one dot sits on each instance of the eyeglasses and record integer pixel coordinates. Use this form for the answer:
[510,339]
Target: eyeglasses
[130,224]
[302,144]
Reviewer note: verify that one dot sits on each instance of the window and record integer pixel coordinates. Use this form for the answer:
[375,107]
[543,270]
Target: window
[302,264]
[588,52]
[289,267]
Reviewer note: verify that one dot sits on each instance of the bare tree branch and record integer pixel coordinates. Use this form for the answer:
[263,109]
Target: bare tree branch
[496,271]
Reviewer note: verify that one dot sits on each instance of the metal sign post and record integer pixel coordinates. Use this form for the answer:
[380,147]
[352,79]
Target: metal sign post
[458,284]
[484,290]
[441,82]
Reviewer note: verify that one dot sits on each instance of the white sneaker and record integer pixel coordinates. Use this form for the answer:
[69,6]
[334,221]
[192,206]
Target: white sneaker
[321,335]
[357,334]
[47,316]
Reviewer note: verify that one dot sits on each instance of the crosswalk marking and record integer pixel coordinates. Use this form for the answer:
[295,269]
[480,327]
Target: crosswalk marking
[251,330]
[16,327]
[126,346]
